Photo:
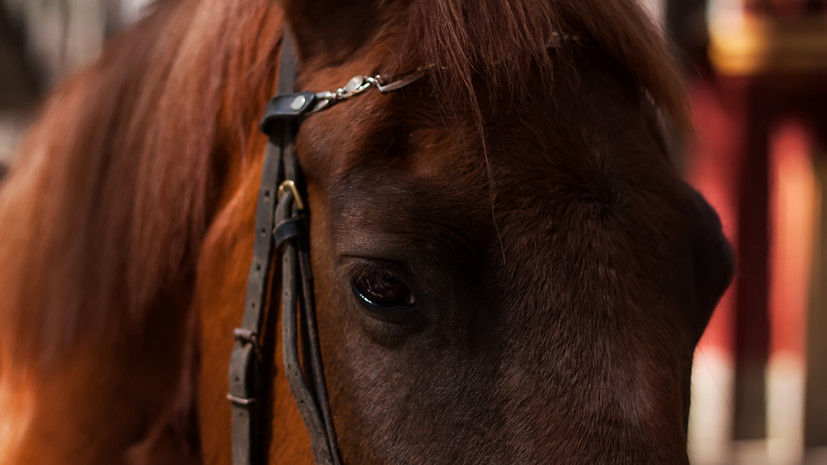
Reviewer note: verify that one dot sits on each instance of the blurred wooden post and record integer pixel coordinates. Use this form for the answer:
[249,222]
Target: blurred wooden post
[793,195]
[815,414]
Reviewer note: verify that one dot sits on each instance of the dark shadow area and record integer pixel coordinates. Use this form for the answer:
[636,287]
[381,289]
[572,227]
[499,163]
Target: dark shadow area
[19,79]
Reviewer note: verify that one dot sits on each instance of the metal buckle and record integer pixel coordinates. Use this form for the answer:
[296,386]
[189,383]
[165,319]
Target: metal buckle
[239,400]
[248,336]
[245,336]
[289,185]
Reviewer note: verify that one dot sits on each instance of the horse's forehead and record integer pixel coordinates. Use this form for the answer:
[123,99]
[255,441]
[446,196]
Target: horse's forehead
[372,133]
[520,160]
[550,232]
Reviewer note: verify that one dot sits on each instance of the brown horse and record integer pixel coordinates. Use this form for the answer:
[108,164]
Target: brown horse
[508,267]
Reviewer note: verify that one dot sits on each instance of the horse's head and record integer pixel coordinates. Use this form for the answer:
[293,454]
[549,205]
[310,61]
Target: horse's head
[508,267]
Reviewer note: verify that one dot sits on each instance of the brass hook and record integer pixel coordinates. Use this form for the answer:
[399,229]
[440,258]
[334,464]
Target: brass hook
[289,185]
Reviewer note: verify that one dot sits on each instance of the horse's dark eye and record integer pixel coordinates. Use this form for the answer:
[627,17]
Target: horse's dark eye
[383,288]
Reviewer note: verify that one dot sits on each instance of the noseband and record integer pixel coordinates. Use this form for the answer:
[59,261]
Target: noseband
[281,221]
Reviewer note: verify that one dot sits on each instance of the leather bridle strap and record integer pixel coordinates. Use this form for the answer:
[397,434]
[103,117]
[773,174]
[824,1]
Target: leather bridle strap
[281,220]
[283,224]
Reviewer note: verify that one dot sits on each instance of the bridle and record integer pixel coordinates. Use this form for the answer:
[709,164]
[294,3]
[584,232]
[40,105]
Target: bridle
[281,221]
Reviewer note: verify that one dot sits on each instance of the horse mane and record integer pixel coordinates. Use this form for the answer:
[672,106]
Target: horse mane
[104,213]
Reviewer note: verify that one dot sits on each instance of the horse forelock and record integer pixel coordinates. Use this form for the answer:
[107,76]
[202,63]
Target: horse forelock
[506,44]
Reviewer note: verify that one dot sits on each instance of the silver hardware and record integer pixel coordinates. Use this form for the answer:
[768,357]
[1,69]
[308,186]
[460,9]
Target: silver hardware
[358,84]
[298,102]
[245,335]
[354,83]
[248,336]
[400,83]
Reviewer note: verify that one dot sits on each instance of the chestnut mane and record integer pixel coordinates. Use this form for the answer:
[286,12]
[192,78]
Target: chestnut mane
[104,213]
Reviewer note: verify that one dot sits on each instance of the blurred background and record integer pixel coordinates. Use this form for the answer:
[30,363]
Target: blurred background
[757,73]
[42,41]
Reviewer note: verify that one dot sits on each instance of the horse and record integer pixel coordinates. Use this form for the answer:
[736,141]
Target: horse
[507,266]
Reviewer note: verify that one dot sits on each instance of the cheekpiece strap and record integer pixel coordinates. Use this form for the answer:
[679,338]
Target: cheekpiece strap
[281,225]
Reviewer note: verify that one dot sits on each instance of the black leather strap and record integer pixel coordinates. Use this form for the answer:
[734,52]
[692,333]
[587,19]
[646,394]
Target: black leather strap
[293,298]
[306,382]
[286,107]
[289,229]
[281,223]
[245,361]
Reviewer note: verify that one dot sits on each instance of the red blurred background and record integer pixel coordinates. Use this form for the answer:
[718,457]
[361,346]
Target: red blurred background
[757,72]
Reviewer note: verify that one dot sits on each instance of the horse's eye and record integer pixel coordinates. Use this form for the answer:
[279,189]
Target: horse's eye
[383,288]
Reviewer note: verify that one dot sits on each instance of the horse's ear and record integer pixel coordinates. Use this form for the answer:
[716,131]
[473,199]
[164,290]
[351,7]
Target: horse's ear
[330,31]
